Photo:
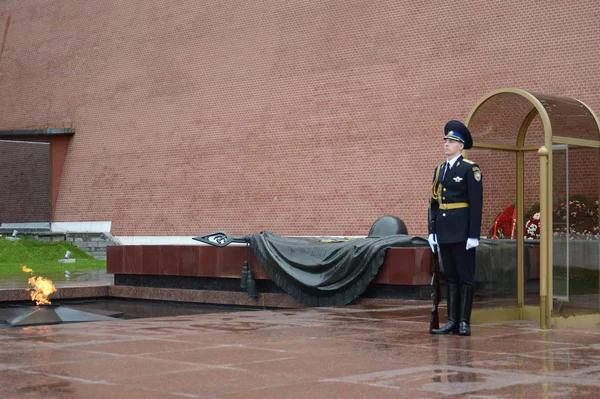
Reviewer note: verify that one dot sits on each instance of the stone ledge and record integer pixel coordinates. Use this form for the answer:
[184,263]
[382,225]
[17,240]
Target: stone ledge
[269,300]
[33,226]
[161,294]
[20,294]
[263,300]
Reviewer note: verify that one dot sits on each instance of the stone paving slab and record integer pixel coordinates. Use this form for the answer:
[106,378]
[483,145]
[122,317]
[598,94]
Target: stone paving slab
[375,350]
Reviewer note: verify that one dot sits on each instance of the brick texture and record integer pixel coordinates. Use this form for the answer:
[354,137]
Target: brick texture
[25,181]
[299,117]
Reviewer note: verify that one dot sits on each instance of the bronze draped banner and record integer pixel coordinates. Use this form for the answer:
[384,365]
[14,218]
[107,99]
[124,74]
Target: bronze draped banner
[320,273]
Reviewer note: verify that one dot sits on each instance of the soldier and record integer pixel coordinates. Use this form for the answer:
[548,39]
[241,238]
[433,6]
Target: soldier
[455,224]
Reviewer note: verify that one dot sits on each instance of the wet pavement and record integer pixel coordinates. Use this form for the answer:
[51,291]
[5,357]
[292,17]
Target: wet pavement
[375,350]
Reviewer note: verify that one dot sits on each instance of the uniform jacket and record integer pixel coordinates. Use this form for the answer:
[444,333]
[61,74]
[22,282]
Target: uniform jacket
[461,184]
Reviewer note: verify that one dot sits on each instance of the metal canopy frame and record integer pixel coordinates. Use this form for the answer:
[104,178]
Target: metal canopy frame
[564,121]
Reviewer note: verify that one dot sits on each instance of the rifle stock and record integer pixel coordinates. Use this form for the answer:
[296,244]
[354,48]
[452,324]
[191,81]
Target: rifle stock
[434,321]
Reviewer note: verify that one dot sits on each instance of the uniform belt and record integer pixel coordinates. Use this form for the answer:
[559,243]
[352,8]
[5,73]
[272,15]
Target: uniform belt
[455,205]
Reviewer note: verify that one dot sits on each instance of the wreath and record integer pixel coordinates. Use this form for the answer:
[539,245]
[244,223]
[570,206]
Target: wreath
[504,224]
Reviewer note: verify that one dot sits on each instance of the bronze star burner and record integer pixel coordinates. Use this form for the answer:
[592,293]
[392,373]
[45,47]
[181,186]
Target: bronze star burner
[46,313]
[24,316]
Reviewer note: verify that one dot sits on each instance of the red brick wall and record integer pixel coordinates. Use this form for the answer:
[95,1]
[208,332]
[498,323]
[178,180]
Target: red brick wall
[300,117]
[25,180]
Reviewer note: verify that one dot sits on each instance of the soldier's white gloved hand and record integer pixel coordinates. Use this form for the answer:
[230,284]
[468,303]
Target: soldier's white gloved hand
[432,242]
[472,243]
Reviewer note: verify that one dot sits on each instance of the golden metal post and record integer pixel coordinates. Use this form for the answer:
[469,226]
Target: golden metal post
[544,240]
[519,232]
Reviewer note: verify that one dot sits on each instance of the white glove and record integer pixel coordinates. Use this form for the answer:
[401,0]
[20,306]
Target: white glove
[472,243]
[432,242]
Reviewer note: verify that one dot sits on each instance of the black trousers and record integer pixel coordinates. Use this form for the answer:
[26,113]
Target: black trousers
[458,263]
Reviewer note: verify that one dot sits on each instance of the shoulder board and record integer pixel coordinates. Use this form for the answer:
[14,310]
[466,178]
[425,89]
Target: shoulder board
[467,161]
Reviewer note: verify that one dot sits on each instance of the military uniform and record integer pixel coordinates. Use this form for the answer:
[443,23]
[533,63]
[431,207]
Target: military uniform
[455,219]
[456,203]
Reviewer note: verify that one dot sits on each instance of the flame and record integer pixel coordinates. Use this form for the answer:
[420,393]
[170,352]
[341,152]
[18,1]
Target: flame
[42,288]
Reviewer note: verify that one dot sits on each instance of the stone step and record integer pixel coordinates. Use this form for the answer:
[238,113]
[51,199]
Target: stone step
[93,244]
[98,255]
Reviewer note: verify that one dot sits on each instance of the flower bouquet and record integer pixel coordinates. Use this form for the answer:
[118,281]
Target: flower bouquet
[532,227]
[576,218]
[579,213]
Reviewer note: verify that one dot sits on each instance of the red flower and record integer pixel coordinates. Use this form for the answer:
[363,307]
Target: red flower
[504,224]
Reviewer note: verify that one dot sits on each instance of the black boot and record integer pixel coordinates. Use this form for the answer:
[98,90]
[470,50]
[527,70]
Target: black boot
[452,325]
[466,305]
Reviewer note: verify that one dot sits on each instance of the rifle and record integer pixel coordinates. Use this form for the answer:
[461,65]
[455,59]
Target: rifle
[434,322]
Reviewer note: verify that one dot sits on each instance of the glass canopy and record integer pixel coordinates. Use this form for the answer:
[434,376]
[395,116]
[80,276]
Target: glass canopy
[540,159]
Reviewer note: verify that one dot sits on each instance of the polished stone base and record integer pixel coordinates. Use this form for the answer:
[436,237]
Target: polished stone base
[402,266]
[405,273]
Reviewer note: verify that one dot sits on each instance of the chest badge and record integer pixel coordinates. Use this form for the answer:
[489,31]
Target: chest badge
[458,179]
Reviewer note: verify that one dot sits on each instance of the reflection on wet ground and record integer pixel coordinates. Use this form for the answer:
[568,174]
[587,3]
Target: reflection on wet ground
[381,351]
